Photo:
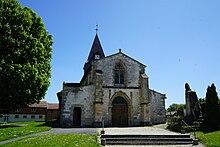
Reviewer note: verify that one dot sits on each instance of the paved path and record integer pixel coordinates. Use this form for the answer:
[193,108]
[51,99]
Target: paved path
[157,129]
[72,131]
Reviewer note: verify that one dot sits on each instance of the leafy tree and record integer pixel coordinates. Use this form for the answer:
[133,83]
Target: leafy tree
[212,117]
[25,55]
[180,110]
[172,107]
[177,107]
[202,105]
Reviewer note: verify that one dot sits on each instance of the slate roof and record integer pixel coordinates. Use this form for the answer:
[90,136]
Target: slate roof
[96,49]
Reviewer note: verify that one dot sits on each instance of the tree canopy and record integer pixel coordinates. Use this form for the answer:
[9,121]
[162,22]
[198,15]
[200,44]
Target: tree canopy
[25,56]
[177,107]
[173,107]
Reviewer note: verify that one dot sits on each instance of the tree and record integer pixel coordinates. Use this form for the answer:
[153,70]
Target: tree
[202,105]
[179,108]
[212,117]
[172,107]
[25,55]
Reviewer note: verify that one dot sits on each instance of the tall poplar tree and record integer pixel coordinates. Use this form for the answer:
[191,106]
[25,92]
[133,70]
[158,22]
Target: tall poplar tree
[212,116]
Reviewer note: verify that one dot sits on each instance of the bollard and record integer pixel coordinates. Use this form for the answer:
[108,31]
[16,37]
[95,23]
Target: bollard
[103,142]
[102,131]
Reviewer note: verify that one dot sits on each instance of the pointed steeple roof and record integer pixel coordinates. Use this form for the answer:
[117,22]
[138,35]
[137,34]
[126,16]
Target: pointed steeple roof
[95,50]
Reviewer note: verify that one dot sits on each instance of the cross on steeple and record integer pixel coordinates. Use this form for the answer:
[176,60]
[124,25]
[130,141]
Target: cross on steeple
[96,29]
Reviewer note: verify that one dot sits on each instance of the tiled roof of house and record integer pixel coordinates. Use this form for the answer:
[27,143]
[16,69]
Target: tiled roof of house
[41,104]
[52,106]
[44,104]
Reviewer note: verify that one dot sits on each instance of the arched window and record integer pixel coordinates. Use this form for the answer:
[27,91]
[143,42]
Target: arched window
[119,73]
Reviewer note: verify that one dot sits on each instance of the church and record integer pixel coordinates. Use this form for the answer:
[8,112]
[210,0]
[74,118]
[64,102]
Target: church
[114,90]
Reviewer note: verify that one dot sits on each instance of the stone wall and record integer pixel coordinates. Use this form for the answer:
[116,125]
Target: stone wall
[132,70]
[130,89]
[132,97]
[158,114]
[83,98]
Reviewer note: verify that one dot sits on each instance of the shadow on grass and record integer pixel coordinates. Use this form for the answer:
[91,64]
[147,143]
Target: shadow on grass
[8,126]
[208,129]
[52,124]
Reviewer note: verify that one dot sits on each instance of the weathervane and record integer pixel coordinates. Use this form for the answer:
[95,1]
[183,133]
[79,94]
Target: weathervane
[96,28]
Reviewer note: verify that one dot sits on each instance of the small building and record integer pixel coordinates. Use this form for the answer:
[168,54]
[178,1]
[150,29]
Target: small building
[42,111]
[114,89]
[53,112]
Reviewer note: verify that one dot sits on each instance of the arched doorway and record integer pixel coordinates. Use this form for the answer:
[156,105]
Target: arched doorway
[77,117]
[119,112]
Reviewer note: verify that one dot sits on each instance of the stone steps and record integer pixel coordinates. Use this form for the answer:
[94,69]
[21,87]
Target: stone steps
[181,139]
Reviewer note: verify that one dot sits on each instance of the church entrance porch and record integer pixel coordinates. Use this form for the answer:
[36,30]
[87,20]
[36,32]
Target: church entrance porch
[77,117]
[119,112]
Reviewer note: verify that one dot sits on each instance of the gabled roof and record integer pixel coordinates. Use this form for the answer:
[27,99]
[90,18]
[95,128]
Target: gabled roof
[125,56]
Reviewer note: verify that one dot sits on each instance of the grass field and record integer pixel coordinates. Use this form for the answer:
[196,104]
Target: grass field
[211,139]
[58,140]
[13,130]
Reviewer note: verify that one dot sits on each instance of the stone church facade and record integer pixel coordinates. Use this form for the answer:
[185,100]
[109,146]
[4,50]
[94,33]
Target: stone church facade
[114,89]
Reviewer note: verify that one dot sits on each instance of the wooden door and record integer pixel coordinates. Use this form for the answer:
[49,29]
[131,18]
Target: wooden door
[77,117]
[119,112]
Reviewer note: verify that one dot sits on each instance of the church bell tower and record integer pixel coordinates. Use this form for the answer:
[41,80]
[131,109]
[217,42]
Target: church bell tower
[96,53]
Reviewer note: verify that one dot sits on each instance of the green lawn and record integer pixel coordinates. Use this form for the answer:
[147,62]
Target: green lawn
[58,140]
[211,139]
[13,130]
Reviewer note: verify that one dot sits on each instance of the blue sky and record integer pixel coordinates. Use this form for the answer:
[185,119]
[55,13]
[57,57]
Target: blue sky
[178,40]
